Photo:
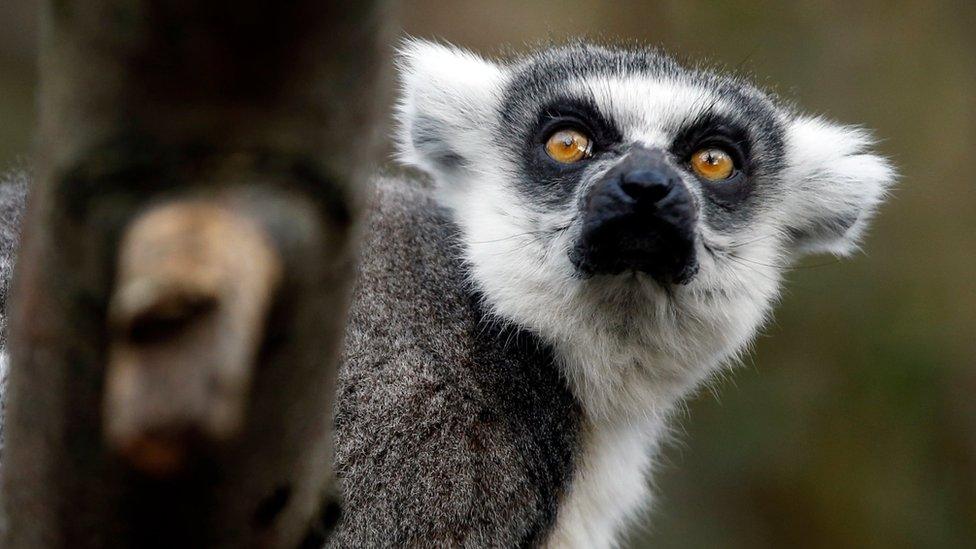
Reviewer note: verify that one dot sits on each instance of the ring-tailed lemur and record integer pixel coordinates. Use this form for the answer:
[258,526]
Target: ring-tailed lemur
[605,230]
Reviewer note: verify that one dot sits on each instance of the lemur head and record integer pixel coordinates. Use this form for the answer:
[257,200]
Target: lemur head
[636,213]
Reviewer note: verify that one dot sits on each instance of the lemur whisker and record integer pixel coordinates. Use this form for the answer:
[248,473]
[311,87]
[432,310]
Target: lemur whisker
[755,261]
[536,233]
[815,265]
[736,245]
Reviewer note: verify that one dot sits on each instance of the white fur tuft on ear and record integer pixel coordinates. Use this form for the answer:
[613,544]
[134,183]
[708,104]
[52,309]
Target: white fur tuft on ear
[448,97]
[835,184]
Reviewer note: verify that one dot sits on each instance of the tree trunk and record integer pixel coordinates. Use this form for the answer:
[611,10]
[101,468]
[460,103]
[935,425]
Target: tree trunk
[187,256]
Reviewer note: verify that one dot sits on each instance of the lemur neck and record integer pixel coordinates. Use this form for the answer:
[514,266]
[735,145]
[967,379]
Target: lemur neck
[625,421]
[630,387]
[610,488]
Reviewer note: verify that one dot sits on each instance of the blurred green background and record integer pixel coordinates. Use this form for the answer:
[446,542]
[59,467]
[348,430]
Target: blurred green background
[853,422]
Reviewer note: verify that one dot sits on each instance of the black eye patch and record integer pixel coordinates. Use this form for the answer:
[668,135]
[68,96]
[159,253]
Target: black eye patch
[547,181]
[576,114]
[714,131]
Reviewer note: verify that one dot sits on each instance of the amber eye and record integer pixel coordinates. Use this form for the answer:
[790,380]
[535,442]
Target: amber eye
[713,164]
[568,146]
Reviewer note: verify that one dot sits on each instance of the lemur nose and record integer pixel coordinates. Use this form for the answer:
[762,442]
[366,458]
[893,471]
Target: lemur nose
[647,185]
[640,216]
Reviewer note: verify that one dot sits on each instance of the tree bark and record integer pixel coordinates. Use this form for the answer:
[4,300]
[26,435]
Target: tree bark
[187,257]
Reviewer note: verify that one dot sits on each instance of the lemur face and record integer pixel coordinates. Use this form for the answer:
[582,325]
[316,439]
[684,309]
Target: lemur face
[618,198]
[653,164]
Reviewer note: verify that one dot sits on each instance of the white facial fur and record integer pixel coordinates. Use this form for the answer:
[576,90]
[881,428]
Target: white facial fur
[630,348]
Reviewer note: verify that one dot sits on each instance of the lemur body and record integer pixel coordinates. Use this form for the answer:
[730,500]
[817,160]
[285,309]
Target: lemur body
[605,230]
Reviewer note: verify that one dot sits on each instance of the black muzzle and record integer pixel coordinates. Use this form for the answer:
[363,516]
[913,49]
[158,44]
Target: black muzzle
[639,217]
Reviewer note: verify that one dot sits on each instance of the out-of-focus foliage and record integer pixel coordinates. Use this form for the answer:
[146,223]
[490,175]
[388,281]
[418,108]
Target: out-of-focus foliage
[853,424]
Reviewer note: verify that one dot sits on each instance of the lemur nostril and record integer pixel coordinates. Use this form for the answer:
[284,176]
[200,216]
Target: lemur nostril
[646,185]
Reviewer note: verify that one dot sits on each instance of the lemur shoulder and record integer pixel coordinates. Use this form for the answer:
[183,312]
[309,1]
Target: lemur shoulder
[602,231]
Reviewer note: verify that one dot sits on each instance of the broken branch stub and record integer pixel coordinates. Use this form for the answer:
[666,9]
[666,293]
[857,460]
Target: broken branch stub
[194,284]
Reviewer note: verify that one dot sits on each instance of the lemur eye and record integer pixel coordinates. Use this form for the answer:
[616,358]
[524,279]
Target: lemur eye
[568,146]
[713,164]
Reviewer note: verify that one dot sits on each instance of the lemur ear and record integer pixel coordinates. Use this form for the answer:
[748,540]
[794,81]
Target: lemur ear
[836,183]
[448,99]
